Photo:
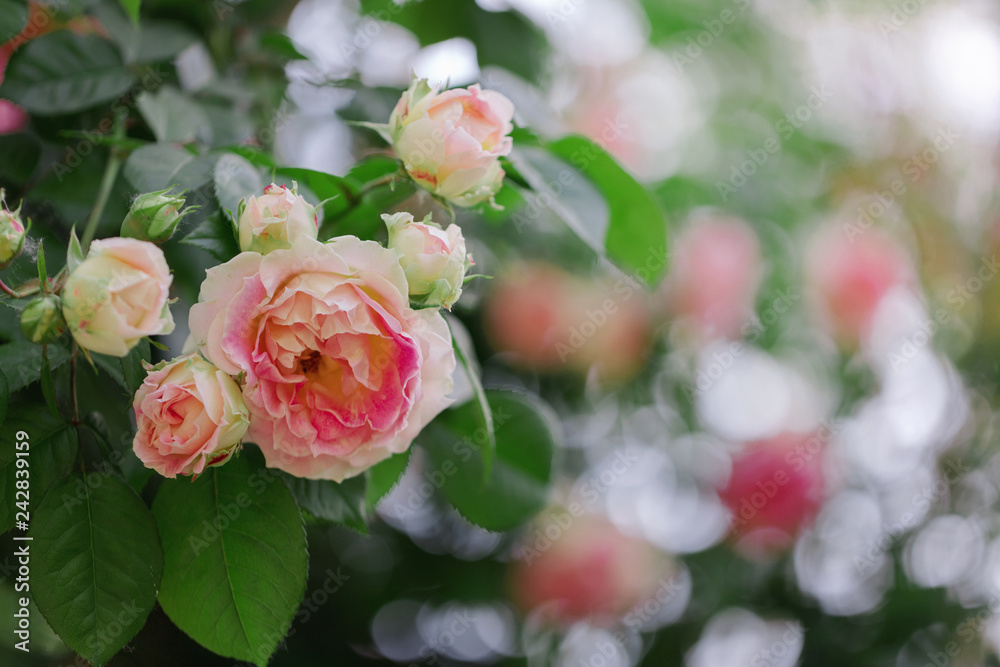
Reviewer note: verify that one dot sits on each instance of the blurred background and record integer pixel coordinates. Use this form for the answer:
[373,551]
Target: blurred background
[784,452]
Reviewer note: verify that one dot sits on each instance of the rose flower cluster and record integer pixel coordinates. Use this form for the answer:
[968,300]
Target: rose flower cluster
[309,349]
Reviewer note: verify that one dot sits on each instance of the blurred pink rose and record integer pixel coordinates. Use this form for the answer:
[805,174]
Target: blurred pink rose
[849,277]
[551,320]
[574,568]
[714,278]
[451,142]
[190,416]
[118,295]
[776,488]
[340,373]
[12,117]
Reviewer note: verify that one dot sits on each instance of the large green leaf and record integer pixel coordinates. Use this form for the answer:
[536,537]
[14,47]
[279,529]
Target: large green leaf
[526,437]
[384,477]
[637,230]
[342,503]
[216,236]
[13,18]
[21,362]
[52,447]
[161,166]
[235,557]
[127,371]
[96,563]
[131,7]
[64,72]
[236,178]
[173,116]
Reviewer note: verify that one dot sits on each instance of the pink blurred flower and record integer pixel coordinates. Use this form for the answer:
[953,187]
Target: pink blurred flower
[714,278]
[776,488]
[589,570]
[849,277]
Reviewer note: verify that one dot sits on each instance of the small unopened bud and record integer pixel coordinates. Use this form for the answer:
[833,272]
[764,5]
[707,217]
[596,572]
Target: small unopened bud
[42,320]
[11,236]
[154,216]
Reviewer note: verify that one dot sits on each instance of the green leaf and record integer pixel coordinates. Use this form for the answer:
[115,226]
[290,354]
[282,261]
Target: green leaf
[131,8]
[96,563]
[74,253]
[53,447]
[4,397]
[236,178]
[63,72]
[126,371]
[526,439]
[216,236]
[173,117]
[637,231]
[281,45]
[13,19]
[160,166]
[235,557]
[382,478]
[342,503]
[485,415]
[21,362]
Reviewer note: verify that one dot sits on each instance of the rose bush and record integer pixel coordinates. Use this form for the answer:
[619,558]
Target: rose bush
[339,372]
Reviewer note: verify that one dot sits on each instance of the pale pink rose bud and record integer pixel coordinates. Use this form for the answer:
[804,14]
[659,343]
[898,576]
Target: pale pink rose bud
[775,489]
[12,234]
[340,373]
[849,277]
[572,568]
[118,295]
[275,220]
[451,142]
[714,278]
[433,259]
[190,416]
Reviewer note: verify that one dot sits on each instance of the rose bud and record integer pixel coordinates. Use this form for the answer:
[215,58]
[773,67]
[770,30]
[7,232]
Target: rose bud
[775,489]
[433,259]
[849,277]
[276,220]
[42,320]
[11,235]
[190,416]
[574,568]
[118,295]
[714,278]
[451,142]
[340,372]
[154,216]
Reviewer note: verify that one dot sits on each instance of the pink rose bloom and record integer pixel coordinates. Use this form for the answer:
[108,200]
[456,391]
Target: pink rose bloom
[190,416]
[340,373]
[118,295]
[715,275]
[451,142]
[589,571]
[849,278]
[276,219]
[433,259]
[776,488]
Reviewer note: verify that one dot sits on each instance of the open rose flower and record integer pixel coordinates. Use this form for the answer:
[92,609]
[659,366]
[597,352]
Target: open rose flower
[275,220]
[340,373]
[433,259]
[190,416]
[451,142]
[118,295]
